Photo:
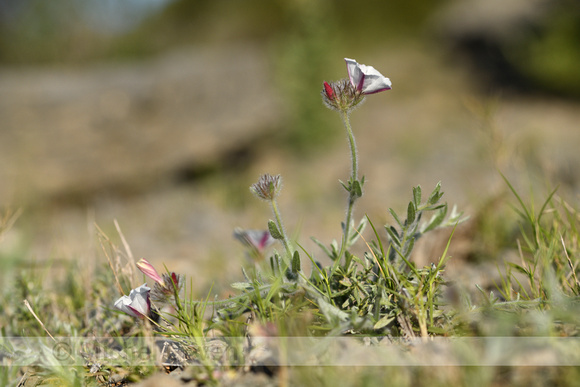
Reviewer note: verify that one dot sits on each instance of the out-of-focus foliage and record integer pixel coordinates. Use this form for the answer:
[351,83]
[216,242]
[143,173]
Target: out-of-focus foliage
[551,56]
[355,24]
[522,45]
[66,31]
[542,54]
[306,40]
[37,31]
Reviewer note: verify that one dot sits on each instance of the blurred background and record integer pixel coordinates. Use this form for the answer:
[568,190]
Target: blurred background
[161,113]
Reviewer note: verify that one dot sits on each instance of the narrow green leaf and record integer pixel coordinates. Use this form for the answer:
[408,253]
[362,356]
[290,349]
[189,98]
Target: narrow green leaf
[396,217]
[435,195]
[417,195]
[296,262]
[393,234]
[362,225]
[434,207]
[276,234]
[278,260]
[345,282]
[519,268]
[436,220]
[444,256]
[347,259]
[335,248]
[407,262]
[242,286]
[411,213]
[383,322]
[409,247]
[357,232]
[326,251]
[378,238]
[412,229]
[546,203]
[331,312]
[528,215]
[356,188]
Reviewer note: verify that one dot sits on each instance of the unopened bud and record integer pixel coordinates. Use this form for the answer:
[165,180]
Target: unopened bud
[341,95]
[267,187]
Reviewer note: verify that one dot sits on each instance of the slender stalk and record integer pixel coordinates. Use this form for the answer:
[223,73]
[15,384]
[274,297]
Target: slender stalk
[352,143]
[262,290]
[281,227]
[354,177]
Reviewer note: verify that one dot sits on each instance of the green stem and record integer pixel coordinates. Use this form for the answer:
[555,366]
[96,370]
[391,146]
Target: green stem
[227,301]
[262,290]
[281,228]
[354,176]
[352,143]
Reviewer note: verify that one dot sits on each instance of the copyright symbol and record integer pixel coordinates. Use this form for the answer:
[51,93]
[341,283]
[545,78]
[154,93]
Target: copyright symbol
[62,351]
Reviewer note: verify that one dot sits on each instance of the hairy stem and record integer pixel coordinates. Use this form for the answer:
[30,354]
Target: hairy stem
[354,177]
[281,228]
[262,290]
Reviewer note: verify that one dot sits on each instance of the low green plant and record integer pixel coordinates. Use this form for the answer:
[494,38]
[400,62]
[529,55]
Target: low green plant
[363,287]
[379,293]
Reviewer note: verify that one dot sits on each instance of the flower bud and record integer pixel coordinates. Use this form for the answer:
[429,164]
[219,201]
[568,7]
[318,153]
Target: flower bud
[341,95]
[171,284]
[148,269]
[330,94]
[267,187]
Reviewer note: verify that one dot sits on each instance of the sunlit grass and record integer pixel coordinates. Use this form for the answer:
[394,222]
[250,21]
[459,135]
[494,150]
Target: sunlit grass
[380,297]
[381,293]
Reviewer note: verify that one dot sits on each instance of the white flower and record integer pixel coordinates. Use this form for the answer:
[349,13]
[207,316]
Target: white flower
[137,304]
[365,78]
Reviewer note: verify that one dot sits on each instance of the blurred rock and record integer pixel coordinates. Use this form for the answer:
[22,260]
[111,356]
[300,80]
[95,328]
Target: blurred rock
[492,20]
[124,126]
[518,45]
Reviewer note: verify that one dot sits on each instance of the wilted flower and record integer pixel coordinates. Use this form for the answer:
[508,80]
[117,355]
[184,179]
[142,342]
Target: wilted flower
[366,79]
[148,269]
[267,187]
[256,240]
[165,284]
[137,304]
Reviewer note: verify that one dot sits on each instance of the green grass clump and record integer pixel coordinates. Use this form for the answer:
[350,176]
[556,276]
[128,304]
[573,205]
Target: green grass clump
[358,302]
